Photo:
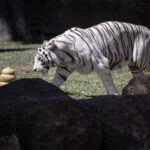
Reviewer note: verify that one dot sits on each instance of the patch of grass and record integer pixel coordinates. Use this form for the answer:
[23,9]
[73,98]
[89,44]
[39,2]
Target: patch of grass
[20,56]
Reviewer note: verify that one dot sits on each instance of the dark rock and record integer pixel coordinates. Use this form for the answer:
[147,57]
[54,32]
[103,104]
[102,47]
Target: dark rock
[9,143]
[29,88]
[39,116]
[124,120]
[42,117]
[138,85]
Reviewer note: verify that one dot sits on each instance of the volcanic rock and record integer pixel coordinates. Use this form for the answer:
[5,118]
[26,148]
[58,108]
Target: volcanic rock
[42,117]
[124,120]
[138,85]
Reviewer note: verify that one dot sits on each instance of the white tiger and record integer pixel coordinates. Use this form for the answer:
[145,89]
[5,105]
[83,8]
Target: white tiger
[100,48]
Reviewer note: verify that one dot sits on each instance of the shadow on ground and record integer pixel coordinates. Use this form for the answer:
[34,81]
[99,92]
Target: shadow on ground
[14,49]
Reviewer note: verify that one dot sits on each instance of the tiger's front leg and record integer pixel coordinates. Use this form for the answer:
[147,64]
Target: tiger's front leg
[61,75]
[105,75]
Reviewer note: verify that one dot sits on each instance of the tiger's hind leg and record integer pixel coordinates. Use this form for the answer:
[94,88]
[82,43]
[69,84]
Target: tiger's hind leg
[105,75]
[135,70]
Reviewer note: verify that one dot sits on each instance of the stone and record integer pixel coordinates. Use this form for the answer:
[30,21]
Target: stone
[35,115]
[124,120]
[29,88]
[9,143]
[138,85]
[42,117]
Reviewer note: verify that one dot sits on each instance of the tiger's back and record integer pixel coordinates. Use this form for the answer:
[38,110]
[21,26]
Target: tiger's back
[114,40]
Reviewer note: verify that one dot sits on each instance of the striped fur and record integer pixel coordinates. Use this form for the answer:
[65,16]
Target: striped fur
[101,48]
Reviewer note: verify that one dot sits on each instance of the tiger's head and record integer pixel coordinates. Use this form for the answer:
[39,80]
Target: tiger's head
[44,59]
[51,53]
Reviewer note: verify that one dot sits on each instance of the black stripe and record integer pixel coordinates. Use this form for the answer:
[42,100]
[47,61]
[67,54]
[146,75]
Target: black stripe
[95,27]
[96,41]
[83,64]
[128,38]
[116,42]
[92,66]
[65,68]
[69,55]
[84,41]
[141,62]
[72,37]
[46,56]
[70,40]
[83,33]
[145,56]
[52,63]
[136,51]
[73,41]
[80,37]
[103,42]
[121,37]
[64,78]
[106,29]
[128,34]
[137,30]
[90,40]
[49,53]
[93,35]
[112,30]
[110,56]
[132,31]
[60,41]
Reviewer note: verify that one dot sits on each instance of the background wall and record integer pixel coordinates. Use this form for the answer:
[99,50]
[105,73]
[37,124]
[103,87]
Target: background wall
[36,20]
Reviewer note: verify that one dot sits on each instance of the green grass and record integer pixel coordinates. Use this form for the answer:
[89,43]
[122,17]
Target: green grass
[21,57]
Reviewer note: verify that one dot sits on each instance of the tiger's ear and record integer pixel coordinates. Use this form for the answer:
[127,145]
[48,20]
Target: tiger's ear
[59,45]
[55,45]
[52,46]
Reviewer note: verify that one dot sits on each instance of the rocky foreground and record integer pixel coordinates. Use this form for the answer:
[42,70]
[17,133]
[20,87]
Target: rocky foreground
[35,115]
